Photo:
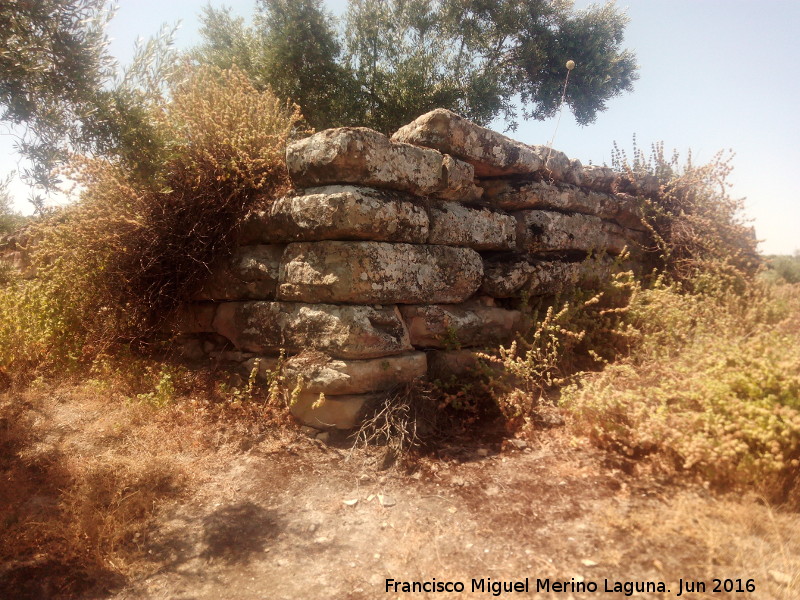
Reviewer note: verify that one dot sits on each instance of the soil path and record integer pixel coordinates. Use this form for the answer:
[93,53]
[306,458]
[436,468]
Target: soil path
[281,523]
[271,514]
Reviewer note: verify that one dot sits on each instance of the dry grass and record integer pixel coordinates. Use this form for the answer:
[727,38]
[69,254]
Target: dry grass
[691,535]
[88,467]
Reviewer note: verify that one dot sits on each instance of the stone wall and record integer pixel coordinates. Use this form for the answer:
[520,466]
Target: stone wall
[396,256]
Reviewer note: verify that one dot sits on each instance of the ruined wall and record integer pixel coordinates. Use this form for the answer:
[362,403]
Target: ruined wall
[394,257]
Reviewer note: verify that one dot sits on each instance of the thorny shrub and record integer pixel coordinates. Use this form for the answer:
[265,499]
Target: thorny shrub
[112,267]
[696,225]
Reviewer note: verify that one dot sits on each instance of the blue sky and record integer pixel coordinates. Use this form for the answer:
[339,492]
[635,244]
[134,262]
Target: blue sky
[714,75]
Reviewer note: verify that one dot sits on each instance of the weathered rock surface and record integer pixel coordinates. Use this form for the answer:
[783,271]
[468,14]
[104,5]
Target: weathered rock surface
[317,372]
[557,165]
[378,273]
[506,277]
[339,212]
[454,224]
[263,365]
[552,277]
[251,273]
[600,178]
[333,412]
[515,195]
[456,326]
[365,157]
[548,231]
[489,152]
[626,210]
[341,331]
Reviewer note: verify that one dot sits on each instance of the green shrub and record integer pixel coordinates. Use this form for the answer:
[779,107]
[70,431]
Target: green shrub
[783,268]
[712,390]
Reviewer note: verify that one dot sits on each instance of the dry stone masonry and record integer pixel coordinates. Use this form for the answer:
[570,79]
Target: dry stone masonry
[396,258]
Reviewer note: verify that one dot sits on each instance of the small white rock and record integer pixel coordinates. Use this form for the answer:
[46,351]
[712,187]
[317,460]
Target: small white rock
[386,501]
[780,577]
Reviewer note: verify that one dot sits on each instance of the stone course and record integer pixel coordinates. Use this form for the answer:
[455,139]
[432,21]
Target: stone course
[399,258]
[378,273]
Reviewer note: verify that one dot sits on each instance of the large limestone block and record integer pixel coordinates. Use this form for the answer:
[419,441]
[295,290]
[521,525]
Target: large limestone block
[504,278]
[316,372]
[332,412]
[510,194]
[454,224]
[557,165]
[489,152]
[600,178]
[548,231]
[527,276]
[378,273]
[456,326]
[339,212]
[362,156]
[513,195]
[626,210]
[553,277]
[251,273]
[341,331]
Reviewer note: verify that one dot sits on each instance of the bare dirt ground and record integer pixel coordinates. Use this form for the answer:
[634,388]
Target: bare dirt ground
[284,515]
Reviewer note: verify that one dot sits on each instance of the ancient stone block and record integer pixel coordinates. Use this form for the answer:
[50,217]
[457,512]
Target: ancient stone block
[365,157]
[548,231]
[332,412]
[454,224]
[489,152]
[506,277]
[521,195]
[557,165]
[317,372]
[553,277]
[574,174]
[455,326]
[378,273]
[625,210]
[251,273]
[340,212]
[341,331]
[600,178]
[514,195]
